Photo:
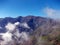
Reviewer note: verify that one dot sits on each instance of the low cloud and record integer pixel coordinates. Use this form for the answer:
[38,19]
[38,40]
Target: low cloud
[24,25]
[53,13]
[10,37]
[10,26]
[7,37]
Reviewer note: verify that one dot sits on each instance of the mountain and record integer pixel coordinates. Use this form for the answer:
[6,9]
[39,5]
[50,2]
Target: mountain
[32,21]
[32,29]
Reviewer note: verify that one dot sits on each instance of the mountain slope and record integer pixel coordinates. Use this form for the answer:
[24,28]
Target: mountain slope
[32,29]
[32,21]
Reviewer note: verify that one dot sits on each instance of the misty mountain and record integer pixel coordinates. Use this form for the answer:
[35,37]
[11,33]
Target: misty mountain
[31,29]
[32,21]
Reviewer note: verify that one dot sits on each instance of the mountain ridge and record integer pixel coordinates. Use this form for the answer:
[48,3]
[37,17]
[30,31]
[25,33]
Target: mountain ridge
[32,21]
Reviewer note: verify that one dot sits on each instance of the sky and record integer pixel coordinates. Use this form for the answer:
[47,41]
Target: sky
[44,8]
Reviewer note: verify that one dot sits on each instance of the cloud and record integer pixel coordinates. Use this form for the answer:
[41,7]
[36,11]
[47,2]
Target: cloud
[24,36]
[10,26]
[8,36]
[24,25]
[17,23]
[53,13]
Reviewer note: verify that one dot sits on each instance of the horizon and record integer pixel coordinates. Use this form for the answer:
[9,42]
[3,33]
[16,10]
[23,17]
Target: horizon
[43,8]
[25,16]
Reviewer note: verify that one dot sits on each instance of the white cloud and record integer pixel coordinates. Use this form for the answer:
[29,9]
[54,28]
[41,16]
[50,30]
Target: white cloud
[7,37]
[24,25]
[12,30]
[53,13]
[10,26]
[25,36]
[17,23]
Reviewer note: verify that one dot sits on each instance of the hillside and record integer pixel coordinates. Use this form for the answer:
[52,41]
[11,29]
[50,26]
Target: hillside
[32,29]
